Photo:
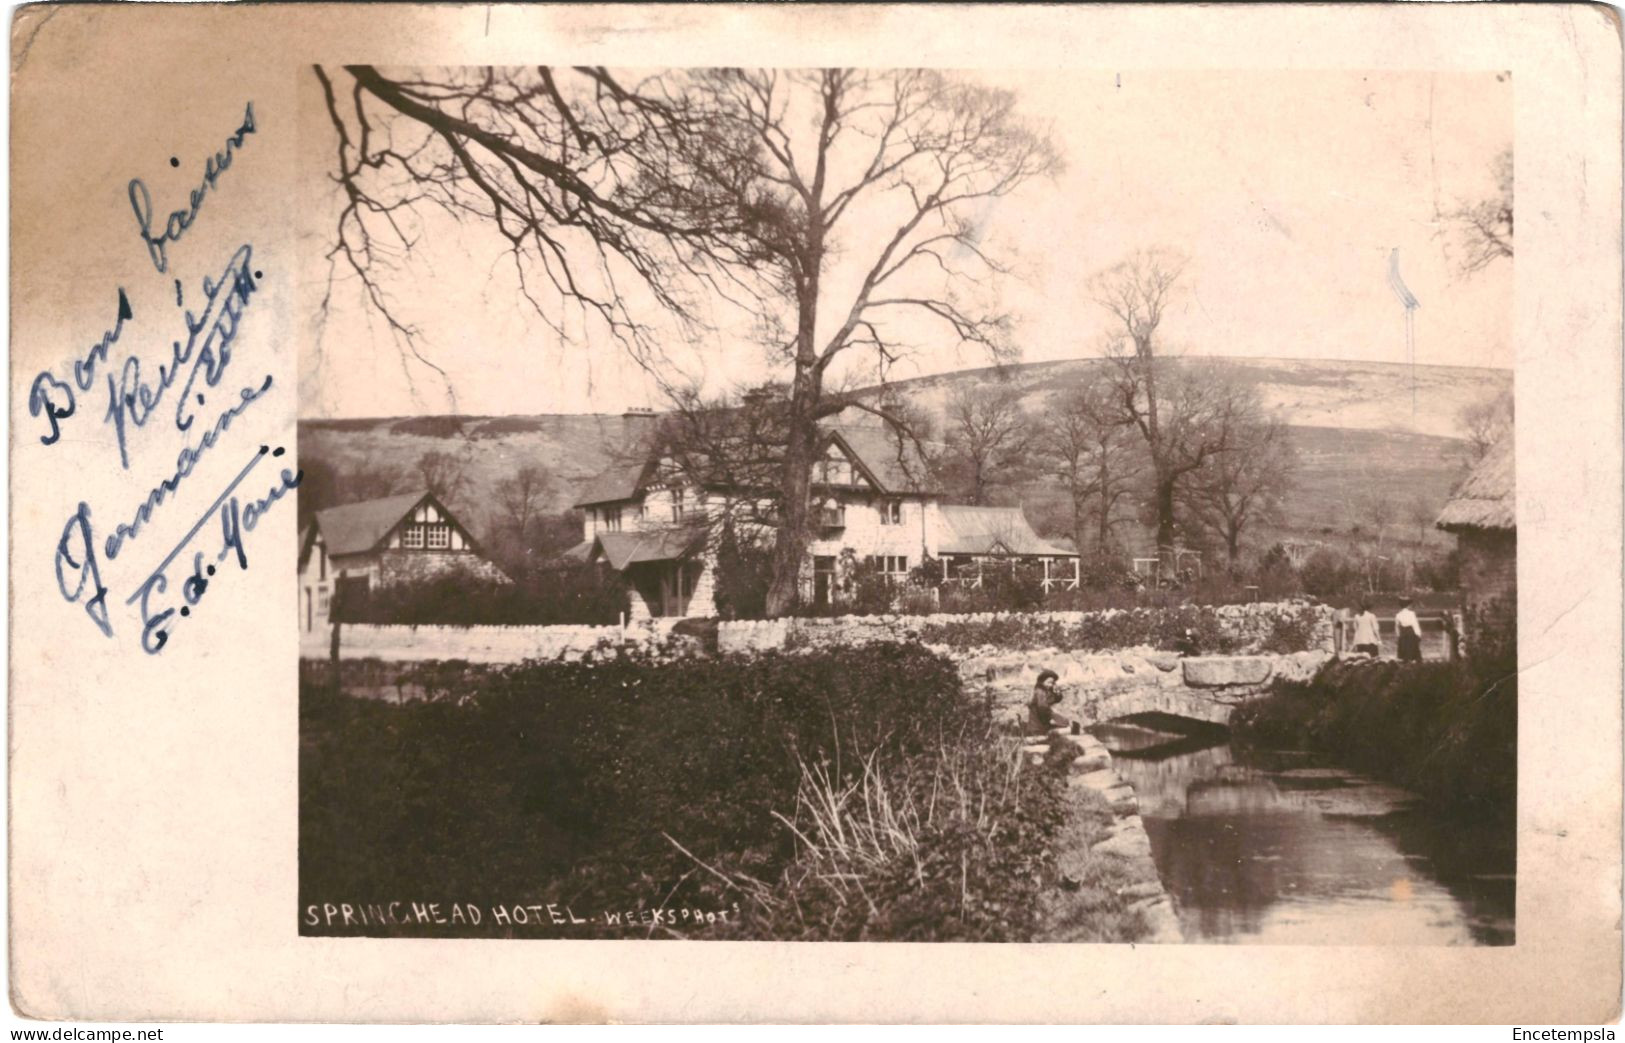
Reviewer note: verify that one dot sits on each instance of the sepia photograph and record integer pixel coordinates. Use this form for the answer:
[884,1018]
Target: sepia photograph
[907,504]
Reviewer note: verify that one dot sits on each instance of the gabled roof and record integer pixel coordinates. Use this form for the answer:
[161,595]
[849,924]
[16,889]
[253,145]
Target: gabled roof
[356,528]
[992,530]
[1486,498]
[619,481]
[894,465]
[629,548]
[893,462]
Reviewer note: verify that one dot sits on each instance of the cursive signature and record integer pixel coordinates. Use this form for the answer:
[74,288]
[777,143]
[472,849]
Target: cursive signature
[185,461]
[158,614]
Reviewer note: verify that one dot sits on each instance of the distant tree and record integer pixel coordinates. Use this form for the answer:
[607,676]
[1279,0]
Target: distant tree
[1137,293]
[1421,513]
[319,489]
[371,480]
[443,474]
[519,500]
[1379,510]
[1484,228]
[1084,442]
[1244,484]
[988,436]
[1483,424]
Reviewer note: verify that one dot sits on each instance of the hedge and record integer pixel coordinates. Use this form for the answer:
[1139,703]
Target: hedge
[561,783]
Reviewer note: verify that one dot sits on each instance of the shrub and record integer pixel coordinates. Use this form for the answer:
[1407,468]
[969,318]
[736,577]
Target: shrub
[555,781]
[581,594]
[1104,571]
[744,570]
[1445,730]
[1328,573]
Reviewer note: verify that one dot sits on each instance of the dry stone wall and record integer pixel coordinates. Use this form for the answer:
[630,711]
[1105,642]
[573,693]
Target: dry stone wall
[497,644]
[1245,627]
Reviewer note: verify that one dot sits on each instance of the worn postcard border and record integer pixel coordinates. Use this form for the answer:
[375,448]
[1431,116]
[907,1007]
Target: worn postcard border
[154,829]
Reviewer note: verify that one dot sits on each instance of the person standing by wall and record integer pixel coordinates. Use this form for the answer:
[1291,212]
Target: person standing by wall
[1408,630]
[1366,637]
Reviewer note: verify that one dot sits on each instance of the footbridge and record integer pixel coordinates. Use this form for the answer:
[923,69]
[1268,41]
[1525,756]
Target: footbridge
[1098,687]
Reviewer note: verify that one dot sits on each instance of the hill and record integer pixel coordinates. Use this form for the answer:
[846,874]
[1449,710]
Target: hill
[1355,430]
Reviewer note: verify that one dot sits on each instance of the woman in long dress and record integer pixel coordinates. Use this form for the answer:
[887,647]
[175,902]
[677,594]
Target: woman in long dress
[1408,631]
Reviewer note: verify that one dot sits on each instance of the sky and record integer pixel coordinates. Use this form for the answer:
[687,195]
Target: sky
[1287,191]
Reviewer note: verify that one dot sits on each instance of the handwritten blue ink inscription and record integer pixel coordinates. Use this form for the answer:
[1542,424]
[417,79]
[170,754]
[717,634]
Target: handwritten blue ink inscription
[178,221]
[194,367]
[235,519]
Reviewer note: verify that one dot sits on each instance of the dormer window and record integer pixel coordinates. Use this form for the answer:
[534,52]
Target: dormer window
[677,505]
[612,519]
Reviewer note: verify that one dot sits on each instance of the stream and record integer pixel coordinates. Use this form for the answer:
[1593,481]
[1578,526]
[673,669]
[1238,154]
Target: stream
[1285,847]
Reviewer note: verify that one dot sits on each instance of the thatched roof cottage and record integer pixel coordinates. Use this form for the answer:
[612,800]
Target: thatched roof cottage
[1482,513]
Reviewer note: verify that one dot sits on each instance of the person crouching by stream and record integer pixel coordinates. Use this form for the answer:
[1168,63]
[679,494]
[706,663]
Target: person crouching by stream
[1041,715]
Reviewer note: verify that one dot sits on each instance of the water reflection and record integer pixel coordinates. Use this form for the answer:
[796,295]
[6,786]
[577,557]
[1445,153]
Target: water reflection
[1286,849]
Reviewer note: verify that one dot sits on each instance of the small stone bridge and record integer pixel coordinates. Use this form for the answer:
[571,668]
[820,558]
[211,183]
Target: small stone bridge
[1101,687]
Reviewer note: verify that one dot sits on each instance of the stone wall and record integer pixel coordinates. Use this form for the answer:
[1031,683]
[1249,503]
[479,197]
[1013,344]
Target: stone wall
[1089,769]
[1247,626]
[496,644]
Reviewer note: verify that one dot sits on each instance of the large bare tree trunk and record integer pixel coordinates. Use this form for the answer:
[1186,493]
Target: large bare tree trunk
[790,545]
[1165,511]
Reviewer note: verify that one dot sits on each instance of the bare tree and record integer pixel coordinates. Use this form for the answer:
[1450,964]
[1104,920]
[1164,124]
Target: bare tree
[1421,512]
[443,474]
[1379,510]
[582,176]
[988,433]
[1483,424]
[1137,292]
[520,497]
[1246,483]
[903,158]
[370,481]
[720,179]
[1484,229]
[1085,443]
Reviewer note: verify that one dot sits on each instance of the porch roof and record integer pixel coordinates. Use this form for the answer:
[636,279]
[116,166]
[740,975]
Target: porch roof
[993,530]
[621,549]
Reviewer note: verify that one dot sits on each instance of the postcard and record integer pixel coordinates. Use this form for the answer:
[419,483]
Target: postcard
[815,513]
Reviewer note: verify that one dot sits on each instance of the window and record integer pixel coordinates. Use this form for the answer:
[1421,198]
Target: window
[677,505]
[891,512]
[893,566]
[412,537]
[835,468]
[439,537]
[323,601]
[612,519]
